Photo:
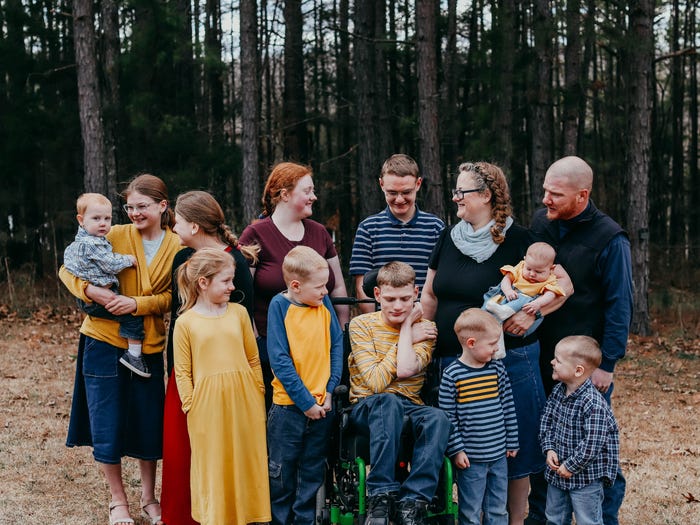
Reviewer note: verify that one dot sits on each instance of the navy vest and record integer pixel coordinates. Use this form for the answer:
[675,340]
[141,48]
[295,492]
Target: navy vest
[577,251]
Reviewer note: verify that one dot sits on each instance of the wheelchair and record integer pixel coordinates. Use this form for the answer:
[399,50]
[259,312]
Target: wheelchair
[342,498]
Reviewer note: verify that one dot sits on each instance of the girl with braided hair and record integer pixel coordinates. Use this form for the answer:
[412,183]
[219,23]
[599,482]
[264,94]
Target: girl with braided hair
[287,201]
[465,262]
[200,223]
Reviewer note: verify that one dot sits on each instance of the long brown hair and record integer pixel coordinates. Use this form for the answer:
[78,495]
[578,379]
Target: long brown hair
[490,177]
[284,176]
[153,187]
[202,208]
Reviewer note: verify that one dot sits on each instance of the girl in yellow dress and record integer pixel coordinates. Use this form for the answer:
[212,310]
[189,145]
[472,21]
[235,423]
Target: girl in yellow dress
[218,375]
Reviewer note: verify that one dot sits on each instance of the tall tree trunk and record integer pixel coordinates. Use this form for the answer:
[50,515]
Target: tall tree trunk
[428,125]
[94,176]
[693,175]
[677,223]
[572,78]
[640,83]
[384,132]
[183,61]
[503,96]
[541,121]
[110,23]
[296,141]
[250,115]
[367,133]
[448,125]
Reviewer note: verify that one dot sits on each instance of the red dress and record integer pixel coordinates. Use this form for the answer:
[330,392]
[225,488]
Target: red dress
[175,492]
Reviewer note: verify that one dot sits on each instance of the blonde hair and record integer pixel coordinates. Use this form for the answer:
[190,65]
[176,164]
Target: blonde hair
[400,165]
[153,187]
[86,199]
[475,321]
[205,262]
[301,262]
[582,349]
[542,253]
[396,274]
[490,177]
[284,176]
[201,208]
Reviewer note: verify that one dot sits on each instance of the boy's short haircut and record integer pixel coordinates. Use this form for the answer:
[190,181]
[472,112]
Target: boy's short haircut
[582,348]
[86,199]
[476,321]
[400,165]
[300,263]
[542,252]
[396,274]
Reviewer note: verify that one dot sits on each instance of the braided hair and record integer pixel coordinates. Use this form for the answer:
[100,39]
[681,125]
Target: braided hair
[490,177]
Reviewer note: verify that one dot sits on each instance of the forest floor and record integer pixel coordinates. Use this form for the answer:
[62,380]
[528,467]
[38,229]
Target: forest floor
[656,401]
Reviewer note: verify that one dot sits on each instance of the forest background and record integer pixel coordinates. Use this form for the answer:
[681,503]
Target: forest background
[209,94]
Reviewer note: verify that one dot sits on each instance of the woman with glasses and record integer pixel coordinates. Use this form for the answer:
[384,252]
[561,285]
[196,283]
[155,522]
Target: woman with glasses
[115,411]
[287,201]
[465,262]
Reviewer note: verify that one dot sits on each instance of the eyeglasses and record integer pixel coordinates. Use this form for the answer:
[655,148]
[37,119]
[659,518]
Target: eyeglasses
[393,194]
[140,208]
[459,194]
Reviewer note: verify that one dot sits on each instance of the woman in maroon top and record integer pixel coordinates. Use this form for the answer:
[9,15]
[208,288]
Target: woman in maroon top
[287,201]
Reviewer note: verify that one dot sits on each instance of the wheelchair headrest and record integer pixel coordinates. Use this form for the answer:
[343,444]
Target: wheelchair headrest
[369,281]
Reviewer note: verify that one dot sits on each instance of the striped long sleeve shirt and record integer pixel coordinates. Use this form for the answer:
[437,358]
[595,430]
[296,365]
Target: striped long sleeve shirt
[479,403]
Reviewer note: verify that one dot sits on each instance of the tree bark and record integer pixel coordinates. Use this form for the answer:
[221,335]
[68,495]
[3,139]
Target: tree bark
[541,122]
[572,78]
[428,123]
[94,176]
[110,23]
[639,147]
[367,131]
[250,114]
[296,141]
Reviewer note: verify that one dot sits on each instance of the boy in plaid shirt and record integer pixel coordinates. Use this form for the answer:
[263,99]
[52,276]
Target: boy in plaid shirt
[579,436]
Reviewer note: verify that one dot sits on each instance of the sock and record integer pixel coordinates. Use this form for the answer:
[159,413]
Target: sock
[135,349]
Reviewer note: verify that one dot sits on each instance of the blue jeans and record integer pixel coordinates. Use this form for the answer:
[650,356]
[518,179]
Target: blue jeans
[297,448]
[383,414]
[586,503]
[483,487]
[130,326]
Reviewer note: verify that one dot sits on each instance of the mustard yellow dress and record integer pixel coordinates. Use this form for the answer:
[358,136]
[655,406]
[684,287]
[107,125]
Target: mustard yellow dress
[218,375]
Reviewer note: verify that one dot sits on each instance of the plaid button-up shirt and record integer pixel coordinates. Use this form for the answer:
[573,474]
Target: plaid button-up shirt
[583,432]
[91,258]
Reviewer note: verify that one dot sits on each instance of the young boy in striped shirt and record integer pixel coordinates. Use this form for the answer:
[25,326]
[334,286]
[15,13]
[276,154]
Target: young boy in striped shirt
[475,392]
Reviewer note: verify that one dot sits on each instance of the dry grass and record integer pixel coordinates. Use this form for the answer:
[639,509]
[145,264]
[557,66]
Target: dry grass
[657,400]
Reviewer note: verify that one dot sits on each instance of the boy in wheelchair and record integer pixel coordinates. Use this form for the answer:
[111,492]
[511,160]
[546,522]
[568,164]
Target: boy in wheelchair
[387,371]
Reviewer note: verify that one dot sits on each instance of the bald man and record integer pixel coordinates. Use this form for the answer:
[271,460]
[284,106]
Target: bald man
[595,251]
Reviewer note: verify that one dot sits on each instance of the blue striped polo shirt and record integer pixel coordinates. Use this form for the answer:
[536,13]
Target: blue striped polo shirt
[382,238]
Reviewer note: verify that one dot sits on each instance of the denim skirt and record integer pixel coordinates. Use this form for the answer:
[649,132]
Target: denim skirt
[114,411]
[522,365]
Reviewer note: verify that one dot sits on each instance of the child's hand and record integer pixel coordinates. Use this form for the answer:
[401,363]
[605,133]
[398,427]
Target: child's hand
[552,460]
[132,259]
[511,453]
[530,308]
[564,472]
[511,295]
[327,403]
[315,412]
[461,460]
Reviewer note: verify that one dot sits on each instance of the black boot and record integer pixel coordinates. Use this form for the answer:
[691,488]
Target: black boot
[411,512]
[380,509]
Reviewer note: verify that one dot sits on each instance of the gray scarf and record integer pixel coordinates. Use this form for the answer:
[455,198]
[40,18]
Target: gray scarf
[477,244]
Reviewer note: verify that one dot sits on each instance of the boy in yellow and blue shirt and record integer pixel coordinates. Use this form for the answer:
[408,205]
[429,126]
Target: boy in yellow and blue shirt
[304,341]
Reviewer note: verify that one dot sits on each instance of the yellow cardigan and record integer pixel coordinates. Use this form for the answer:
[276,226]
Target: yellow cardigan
[151,289]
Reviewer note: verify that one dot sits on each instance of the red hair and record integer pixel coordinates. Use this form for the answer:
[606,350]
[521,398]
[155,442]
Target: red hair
[284,176]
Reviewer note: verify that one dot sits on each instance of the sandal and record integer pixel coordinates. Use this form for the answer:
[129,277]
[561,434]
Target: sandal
[114,521]
[155,520]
